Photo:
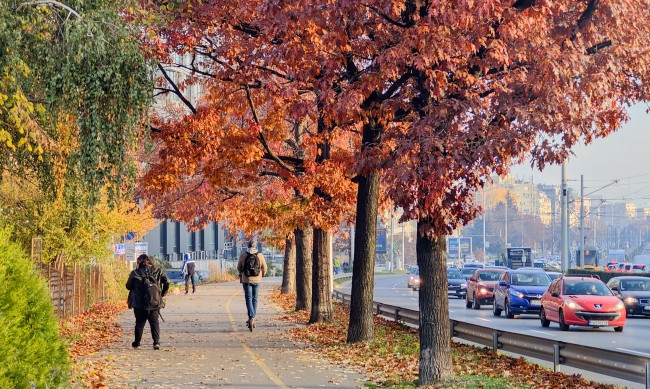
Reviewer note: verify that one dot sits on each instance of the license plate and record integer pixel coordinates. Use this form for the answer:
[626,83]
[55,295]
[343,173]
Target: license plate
[598,322]
[535,302]
[647,308]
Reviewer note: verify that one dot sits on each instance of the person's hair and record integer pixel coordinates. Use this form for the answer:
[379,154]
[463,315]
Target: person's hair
[144,260]
[251,244]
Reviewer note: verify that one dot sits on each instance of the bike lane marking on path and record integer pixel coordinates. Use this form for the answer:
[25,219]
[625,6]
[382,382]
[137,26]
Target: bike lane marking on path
[276,380]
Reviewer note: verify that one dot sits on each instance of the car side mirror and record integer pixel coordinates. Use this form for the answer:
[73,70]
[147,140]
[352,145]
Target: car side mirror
[503,283]
[614,289]
[555,294]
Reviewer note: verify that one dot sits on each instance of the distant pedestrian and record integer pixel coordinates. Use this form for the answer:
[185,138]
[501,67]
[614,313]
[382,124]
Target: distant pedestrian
[188,271]
[251,268]
[147,285]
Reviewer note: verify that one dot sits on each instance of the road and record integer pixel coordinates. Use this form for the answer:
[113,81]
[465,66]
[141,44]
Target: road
[392,290]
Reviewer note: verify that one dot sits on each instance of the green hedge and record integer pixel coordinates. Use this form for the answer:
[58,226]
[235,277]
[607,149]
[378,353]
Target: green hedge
[32,354]
[605,276]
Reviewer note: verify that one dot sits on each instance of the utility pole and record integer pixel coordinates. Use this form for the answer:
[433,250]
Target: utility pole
[582,222]
[392,245]
[484,250]
[506,223]
[403,249]
[565,230]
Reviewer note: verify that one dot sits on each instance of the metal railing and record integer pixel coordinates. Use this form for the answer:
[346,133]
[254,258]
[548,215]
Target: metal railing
[622,365]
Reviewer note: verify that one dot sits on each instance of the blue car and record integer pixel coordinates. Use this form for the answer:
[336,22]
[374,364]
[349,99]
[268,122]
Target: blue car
[520,292]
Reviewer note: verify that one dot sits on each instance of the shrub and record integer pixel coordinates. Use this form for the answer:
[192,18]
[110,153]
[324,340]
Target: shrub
[32,354]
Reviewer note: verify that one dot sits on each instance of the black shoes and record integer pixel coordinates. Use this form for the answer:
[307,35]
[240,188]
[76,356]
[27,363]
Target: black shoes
[135,345]
[156,346]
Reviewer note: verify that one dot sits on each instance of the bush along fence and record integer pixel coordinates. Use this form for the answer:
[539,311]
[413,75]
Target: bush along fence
[74,288]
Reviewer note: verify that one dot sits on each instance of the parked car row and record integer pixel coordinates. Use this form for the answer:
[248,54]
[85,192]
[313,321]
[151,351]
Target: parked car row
[577,300]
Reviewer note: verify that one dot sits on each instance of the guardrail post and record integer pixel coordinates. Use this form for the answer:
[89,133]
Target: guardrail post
[451,328]
[378,308]
[647,375]
[556,360]
[396,315]
[495,341]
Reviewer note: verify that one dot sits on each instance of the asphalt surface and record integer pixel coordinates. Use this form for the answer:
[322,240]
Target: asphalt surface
[205,344]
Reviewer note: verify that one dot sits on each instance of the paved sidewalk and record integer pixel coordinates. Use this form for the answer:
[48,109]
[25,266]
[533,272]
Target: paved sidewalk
[205,343]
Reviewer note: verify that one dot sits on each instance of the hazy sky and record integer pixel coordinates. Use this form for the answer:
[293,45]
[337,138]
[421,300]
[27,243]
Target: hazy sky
[623,156]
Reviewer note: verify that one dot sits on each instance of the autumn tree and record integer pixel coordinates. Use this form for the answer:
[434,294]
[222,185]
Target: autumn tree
[490,83]
[269,79]
[78,63]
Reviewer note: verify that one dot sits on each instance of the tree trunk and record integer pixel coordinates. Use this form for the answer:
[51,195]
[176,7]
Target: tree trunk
[303,268]
[435,338]
[289,266]
[321,301]
[361,327]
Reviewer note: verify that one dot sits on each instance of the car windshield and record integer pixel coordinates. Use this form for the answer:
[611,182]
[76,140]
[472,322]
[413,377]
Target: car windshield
[175,274]
[468,271]
[454,274]
[489,275]
[580,287]
[530,279]
[635,285]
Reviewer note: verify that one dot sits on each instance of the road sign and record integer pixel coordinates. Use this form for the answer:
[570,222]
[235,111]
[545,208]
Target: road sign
[142,247]
[119,249]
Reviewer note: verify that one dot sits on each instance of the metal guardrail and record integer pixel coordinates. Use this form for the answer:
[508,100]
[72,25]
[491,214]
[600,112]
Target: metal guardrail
[626,366]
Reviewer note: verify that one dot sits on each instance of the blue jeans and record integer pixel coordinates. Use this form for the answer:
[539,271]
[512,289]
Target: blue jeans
[250,293]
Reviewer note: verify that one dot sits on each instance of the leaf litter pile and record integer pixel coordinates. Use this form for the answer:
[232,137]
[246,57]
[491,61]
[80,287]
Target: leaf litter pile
[86,334]
[391,359]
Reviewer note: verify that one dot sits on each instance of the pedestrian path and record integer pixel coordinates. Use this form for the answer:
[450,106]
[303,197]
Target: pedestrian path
[205,344]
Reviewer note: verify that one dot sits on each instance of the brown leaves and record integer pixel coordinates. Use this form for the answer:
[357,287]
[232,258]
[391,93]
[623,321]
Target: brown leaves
[87,333]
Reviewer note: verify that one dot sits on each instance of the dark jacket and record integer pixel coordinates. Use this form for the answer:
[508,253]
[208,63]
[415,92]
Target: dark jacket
[135,280]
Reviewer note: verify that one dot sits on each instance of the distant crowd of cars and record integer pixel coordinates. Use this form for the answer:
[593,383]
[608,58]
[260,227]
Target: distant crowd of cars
[576,300]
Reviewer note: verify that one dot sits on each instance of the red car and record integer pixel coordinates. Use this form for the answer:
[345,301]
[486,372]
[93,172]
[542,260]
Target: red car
[581,301]
[480,287]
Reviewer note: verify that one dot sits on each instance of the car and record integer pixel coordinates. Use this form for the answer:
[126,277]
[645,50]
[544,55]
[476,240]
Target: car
[520,292]
[581,301]
[553,274]
[414,278]
[480,287]
[634,291]
[456,283]
[467,272]
[175,277]
[476,265]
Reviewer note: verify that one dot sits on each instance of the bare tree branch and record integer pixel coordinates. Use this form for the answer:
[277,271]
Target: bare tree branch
[48,3]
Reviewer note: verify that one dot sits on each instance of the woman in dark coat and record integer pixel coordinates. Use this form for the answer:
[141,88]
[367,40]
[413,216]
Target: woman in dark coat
[141,301]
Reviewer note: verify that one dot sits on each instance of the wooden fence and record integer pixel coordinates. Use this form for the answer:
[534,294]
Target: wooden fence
[74,288]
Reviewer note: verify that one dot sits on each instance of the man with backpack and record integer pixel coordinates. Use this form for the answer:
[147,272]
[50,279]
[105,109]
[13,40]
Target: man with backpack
[188,272]
[147,286]
[251,268]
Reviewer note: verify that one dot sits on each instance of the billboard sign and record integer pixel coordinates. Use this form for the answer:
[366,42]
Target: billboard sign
[465,246]
[380,242]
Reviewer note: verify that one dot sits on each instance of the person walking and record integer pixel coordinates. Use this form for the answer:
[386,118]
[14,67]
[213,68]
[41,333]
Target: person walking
[147,285]
[188,270]
[251,267]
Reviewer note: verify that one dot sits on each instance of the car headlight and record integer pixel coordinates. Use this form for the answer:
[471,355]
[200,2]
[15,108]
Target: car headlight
[572,304]
[463,286]
[517,294]
[619,305]
[630,300]
[483,290]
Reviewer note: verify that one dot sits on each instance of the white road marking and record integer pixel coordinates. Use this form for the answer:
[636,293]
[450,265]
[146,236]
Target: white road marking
[542,332]
[480,318]
[451,311]
[634,352]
